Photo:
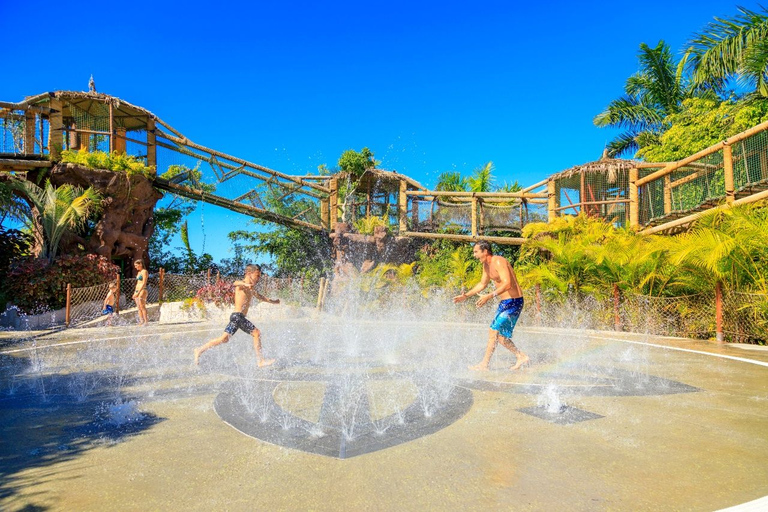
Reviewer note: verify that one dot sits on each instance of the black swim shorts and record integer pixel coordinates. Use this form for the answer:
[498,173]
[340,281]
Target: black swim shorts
[238,321]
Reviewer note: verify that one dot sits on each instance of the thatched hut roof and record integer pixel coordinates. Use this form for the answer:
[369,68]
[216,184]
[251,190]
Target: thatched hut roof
[606,166]
[125,114]
[386,179]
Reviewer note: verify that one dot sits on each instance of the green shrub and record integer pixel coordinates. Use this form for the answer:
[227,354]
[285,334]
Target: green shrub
[114,161]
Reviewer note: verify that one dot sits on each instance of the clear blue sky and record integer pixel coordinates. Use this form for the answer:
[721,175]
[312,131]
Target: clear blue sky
[428,86]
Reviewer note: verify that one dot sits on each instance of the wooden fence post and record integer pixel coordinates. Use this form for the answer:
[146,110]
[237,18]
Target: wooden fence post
[68,312]
[402,206]
[551,200]
[160,286]
[474,216]
[634,202]
[55,130]
[538,304]
[719,312]
[208,279]
[730,195]
[151,144]
[616,316]
[117,299]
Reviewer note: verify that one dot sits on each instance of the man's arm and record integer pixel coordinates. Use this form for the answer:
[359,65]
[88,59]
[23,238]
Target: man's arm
[475,289]
[264,299]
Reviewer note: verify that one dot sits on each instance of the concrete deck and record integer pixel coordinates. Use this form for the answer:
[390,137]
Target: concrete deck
[599,421]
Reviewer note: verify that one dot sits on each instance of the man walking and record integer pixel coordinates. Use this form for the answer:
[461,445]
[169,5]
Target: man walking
[498,270]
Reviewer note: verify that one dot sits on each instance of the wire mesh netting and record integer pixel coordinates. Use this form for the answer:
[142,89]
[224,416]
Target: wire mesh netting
[14,124]
[750,162]
[87,304]
[745,317]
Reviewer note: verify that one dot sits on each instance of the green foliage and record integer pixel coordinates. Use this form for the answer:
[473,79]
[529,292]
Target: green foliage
[356,163]
[59,209]
[452,181]
[650,95]
[114,161]
[368,225]
[193,303]
[447,263]
[701,123]
[36,286]
[14,245]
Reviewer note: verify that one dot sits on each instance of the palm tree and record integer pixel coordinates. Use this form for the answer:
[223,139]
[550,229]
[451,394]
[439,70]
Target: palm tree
[731,47]
[57,210]
[482,179]
[653,93]
[451,181]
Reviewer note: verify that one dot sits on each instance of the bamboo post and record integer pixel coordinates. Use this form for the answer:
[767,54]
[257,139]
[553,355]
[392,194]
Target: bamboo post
[208,279]
[634,203]
[69,304]
[29,133]
[730,195]
[151,144]
[117,299]
[55,130]
[162,281]
[616,316]
[325,213]
[667,194]
[325,292]
[120,142]
[402,206]
[474,216]
[333,203]
[551,200]
[582,190]
[320,293]
[719,312]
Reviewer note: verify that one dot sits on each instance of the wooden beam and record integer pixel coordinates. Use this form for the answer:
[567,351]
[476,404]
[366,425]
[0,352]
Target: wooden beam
[55,130]
[151,144]
[730,196]
[634,203]
[466,238]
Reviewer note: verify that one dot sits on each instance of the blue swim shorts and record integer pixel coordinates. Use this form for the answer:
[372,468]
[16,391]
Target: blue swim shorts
[108,310]
[507,315]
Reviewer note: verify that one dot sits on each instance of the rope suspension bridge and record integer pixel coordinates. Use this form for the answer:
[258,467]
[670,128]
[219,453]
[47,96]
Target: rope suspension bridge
[651,197]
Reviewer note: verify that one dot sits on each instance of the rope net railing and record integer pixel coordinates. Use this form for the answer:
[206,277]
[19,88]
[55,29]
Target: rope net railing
[444,214]
[13,128]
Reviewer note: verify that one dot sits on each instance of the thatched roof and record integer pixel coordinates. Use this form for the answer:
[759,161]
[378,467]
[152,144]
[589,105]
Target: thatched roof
[125,114]
[606,165]
[384,178]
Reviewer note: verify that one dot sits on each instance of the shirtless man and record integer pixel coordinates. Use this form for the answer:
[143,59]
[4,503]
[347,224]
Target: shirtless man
[243,293]
[498,269]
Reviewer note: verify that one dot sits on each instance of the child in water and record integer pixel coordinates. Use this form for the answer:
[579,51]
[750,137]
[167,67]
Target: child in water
[109,302]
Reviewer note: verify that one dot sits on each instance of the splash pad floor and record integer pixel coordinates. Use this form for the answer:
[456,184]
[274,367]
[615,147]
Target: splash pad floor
[118,419]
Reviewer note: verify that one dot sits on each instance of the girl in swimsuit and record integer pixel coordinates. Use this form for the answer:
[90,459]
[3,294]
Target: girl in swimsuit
[140,293]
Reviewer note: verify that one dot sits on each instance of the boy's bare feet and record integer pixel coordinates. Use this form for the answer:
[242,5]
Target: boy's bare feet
[520,362]
[197,356]
[266,362]
[479,368]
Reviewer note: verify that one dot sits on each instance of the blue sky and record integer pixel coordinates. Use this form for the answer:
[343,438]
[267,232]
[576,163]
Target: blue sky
[428,86]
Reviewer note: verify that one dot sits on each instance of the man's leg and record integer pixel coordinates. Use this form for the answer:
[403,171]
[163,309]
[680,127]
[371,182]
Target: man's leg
[217,341]
[489,349]
[257,346]
[521,357]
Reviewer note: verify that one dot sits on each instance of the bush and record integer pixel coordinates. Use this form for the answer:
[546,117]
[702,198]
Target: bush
[221,293]
[114,161]
[35,286]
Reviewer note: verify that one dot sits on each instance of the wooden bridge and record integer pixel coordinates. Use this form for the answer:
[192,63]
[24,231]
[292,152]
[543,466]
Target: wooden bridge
[652,197]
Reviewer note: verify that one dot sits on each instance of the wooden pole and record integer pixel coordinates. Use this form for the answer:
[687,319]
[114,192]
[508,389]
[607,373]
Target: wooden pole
[667,194]
[218,277]
[208,279]
[719,312]
[69,304]
[120,143]
[616,316]
[325,213]
[162,281]
[325,292]
[320,293]
[474,216]
[730,195]
[634,202]
[117,299]
[581,192]
[402,206]
[29,133]
[334,203]
[151,144]
[551,200]
[55,130]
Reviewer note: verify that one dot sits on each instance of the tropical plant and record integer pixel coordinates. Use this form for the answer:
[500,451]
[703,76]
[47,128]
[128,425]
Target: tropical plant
[481,179]
[114,161]
[452,181]
[735,47]
[368,225]
[57,210]
[654,92]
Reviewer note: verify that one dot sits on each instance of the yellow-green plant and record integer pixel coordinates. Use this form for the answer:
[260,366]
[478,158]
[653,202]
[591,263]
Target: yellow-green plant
[114,161]
[368,225]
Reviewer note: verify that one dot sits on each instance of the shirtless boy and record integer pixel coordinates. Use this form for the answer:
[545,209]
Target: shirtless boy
[498,270]
[243,293]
